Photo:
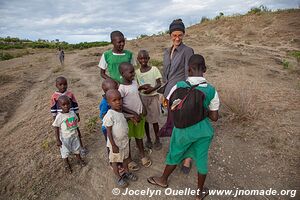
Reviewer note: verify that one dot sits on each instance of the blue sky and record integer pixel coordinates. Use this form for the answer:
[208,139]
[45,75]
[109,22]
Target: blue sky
[76,21]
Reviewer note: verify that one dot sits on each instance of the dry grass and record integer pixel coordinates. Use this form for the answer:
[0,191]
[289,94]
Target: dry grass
[4,79]
[239,99]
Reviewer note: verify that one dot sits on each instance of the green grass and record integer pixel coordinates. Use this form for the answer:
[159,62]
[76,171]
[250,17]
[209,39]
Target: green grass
[91,124]
[157,63]
[16,43]
[295,54]
[286,64]
[6,56]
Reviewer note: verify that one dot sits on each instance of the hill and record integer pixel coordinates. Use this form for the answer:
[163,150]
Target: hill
[253,61]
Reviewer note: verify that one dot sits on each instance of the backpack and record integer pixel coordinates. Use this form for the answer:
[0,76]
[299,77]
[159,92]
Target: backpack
[186,106]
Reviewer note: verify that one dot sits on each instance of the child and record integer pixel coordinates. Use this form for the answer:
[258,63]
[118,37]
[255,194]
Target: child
[66,124]
[107,84]
[62,86]
[132,104]
[149,80]
[192,141]
[61,55]
[111,59]
[117,133]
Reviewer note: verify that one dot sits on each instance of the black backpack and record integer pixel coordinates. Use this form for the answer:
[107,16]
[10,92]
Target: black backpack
[186,106]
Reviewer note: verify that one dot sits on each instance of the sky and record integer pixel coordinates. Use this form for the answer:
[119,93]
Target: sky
[77,21]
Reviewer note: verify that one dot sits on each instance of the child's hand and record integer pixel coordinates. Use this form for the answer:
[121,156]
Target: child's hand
[115,149]
[148,90]
[144,87]
[134,120]
[137,118]
[58,143]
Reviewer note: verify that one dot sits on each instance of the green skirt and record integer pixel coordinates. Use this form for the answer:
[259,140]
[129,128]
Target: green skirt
[136,131]
[191,142]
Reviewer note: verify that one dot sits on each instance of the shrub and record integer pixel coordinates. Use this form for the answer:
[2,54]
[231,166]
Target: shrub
[156,63]
[6,56]
[219,16]
[295,54]
[286,64]
[91,124]
[239,99]
[204,19]
[259,9]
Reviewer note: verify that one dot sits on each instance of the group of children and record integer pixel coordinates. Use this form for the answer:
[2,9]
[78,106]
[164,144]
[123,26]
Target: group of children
[129,104]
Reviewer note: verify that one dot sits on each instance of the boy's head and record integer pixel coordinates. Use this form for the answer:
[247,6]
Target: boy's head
[61,84]
[196,65]
[127,71]
[114,99]
[143,58]
[118,40]
[109,84]
[65,103]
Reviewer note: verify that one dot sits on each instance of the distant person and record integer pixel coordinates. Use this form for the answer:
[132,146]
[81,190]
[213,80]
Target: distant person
[61,84]
[148,78]
[133,106]
[66,132]
[111,59]
[175,69]
[193,139]
[118,141]
[61,55]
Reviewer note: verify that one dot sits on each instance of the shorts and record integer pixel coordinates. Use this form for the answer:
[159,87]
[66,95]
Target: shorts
[118,157]
[69,145]
[153,108]
[136,131]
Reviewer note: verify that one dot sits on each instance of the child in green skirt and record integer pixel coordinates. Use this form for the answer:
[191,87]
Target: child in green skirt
[133,106]
[192,141]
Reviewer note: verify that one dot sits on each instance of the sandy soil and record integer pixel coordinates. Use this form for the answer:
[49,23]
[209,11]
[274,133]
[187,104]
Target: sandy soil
[255,146]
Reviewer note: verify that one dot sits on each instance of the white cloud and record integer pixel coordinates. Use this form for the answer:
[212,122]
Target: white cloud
[78,21]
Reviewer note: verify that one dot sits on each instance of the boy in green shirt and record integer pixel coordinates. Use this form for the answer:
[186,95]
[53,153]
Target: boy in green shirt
[111,59]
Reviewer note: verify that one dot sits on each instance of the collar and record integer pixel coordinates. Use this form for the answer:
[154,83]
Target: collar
[194,80]
[179,48]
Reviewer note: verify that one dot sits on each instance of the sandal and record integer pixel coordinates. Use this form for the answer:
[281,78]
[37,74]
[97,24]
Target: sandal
[157,145]
[121,183]
[203,193]
[149,144]
[132,166]
[152,181]
[148,151]
[146,162]
[130,176]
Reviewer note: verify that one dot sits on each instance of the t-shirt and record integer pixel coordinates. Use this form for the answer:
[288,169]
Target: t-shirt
[148,77]
[131,98]
[119,125]
[55,108]
[67,123]
[111,61]
[103,107]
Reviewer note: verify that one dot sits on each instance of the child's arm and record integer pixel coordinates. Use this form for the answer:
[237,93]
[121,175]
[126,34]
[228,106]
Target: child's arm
[58,141]
[103,74]
[151,89]
[135,115]
[115,148]
[79,135]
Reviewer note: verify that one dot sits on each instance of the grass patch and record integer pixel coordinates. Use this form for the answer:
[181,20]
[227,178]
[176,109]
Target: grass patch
[286,64]
[239,100]
[295,54]
[91,124]
[6,56]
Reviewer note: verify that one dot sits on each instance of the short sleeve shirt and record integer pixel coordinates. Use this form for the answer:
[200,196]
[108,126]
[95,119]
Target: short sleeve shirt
[148,77]
[131,97]
[119,125]
[68,123]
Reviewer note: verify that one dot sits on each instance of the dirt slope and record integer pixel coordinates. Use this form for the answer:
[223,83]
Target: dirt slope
[256,145]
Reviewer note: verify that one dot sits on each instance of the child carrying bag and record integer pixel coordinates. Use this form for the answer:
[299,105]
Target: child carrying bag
[186,105]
